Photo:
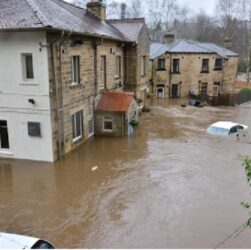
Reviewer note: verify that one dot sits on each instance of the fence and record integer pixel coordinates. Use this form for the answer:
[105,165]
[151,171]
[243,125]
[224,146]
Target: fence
[230,100]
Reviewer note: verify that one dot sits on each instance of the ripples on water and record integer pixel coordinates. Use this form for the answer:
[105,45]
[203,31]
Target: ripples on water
[170,185]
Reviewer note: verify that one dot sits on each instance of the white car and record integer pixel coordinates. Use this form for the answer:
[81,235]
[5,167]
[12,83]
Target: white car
[14,241]
[226,128]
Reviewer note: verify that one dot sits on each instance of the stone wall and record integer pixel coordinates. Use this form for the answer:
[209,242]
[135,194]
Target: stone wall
[190,76]
[71,98]
[135,81]
[118,123]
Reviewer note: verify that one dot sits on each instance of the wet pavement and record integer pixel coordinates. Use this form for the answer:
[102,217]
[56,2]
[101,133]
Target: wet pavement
[170,185]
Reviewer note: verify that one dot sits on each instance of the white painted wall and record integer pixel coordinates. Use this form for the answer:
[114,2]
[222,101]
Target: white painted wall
[15,92]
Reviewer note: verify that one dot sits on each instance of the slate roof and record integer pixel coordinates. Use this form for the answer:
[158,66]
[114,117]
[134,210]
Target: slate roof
[130,28]
[115,101]
[56,14]
[188,46]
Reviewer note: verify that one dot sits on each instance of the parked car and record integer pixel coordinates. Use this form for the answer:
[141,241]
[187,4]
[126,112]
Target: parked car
[14,241]
[226,128]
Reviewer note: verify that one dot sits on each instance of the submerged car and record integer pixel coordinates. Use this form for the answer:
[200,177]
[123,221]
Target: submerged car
[14,241]
[226,128]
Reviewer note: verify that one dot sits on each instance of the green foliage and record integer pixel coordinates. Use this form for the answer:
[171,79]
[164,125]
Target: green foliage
[134,122]
[245,91]
[246,163]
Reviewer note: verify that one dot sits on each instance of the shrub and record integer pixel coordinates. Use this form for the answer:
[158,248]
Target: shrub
[245,91]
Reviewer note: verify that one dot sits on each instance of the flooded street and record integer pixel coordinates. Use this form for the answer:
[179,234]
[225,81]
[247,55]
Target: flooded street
[170,185]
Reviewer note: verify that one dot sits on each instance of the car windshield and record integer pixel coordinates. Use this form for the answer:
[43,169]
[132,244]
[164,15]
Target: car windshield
[217,131]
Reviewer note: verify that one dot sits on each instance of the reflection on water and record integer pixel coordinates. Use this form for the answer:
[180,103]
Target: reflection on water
[170,185]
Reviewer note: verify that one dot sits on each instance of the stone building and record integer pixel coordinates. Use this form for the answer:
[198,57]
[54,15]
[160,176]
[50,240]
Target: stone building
[115,113]
[182,67]
[56,61]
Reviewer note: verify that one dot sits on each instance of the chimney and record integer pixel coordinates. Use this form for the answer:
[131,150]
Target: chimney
[169,37]
[123,10]
[227,43]
[97,8]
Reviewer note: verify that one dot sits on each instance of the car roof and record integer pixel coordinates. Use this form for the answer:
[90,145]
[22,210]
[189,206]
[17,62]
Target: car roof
[14,241]
[226,125]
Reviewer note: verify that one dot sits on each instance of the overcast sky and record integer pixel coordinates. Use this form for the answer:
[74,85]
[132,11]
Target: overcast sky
[207,5]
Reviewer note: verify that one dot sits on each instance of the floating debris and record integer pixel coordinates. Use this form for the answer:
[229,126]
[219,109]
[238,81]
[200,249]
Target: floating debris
[95,168]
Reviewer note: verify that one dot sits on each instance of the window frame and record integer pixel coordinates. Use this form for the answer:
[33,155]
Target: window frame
[75,136]
[8,137]
[25,67]
[118,66]
[161,64]
[107,119]
[218,67]
[176,70]
[143,68]
[75,70]
[205,69]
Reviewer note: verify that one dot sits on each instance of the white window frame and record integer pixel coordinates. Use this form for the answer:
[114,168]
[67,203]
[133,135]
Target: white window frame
[75,70]
[74,127]
[107,119]
[24,67]
[143,69]
[118,67]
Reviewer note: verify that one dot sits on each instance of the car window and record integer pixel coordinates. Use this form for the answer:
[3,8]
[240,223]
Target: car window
[233,130]
[217,131]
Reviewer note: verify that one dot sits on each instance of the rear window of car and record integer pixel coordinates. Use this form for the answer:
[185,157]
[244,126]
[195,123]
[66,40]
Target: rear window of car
[217,131]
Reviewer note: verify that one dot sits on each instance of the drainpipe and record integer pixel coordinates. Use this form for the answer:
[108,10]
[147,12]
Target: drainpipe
[170,76]
[53,62]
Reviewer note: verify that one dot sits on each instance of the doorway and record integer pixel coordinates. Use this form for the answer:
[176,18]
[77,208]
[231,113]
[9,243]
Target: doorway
[160,92]
[175,91]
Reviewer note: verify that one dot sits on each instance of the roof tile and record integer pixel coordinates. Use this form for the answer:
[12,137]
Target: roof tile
[115,101]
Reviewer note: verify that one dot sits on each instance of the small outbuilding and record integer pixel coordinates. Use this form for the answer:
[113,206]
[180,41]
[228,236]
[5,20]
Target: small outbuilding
[116,114]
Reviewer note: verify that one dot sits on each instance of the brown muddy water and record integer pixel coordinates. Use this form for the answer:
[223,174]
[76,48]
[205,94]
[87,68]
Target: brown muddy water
[170,185]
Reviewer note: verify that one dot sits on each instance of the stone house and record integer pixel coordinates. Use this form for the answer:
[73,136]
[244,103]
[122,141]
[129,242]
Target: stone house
[56,61]
[136,55]
[181,67]
[115,113]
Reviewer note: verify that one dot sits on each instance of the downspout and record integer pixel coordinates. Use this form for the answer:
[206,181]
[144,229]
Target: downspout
[170,76]
[53,62]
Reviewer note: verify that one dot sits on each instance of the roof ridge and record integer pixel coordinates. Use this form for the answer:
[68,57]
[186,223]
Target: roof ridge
[123,35]
[127,19]
[40,15]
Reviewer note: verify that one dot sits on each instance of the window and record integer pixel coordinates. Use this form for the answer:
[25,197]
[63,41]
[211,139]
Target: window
[161,64]
[27,61]
[205,66]
[75,69]
[203,88]
[176,66]
[143,71]
[77,126]
[218,64]
[4,136]
[108,125]
[118,67]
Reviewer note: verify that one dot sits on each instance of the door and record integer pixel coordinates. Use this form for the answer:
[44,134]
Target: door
[160,93]
[203,88]
[175,90]
[103,72]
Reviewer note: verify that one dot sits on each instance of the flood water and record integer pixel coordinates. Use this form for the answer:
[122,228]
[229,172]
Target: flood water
[170,185]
